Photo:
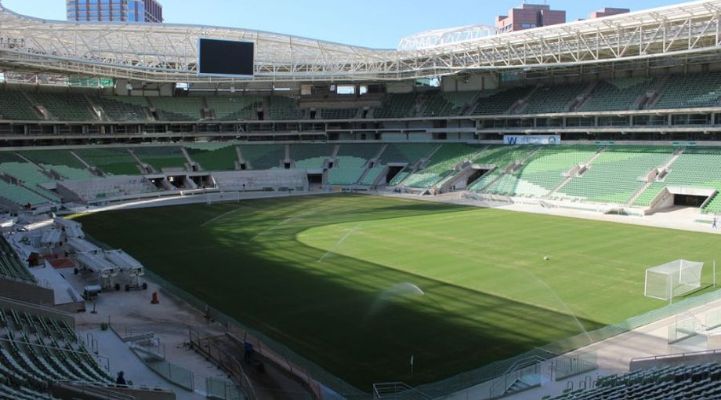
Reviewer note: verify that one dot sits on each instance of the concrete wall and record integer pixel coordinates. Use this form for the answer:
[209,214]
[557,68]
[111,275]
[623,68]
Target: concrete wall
[27,292]
[681,359]
[35,309]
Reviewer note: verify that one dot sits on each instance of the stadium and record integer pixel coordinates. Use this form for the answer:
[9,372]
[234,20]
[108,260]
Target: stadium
[194,212]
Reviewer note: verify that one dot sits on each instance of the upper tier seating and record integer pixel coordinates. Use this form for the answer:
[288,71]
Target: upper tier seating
[11,266]
[65,106]
[123,108]
[699,90]
[553,99]
[15,106]
[398,106]
[161,158]
[619,94]
[338,113]
[617,174]
[499,102]
[213,156]
[178,108]
[283,108]
[452,103]
[114,161]
[679,382]
[236,108]
[543,172]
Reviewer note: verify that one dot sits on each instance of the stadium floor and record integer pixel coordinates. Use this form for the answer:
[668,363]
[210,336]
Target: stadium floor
[358,284]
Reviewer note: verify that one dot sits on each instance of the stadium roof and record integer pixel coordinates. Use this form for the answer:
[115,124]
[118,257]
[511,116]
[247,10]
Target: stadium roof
[168,52]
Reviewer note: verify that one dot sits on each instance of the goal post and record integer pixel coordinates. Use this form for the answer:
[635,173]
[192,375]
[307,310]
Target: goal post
[676,278]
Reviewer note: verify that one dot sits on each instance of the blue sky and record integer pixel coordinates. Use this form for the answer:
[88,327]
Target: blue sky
[372,23]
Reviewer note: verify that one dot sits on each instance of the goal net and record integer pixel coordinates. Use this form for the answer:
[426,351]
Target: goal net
[673,279]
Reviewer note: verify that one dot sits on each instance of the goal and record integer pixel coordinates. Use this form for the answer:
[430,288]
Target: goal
[673,279]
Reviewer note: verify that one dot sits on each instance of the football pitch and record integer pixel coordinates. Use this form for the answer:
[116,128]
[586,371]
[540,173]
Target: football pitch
[359,284]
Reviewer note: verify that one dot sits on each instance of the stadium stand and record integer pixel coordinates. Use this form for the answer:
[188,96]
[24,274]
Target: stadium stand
[372,175]
[123,108]
[697,90]
[60,161]
[20,196]
[553,99]
[177,108]
[310,156]
[113,161]
[11,266]
[441,164]
[284,108]
[27,174]
[406,153]
[697,168]
[338,113]
[616,174]
[263,156]
[542,173]
[351,163]
[108,188]
[499,102]
[235,108]
[680,382]
[455,103]
[398,106]
[66,106]
[38,348]
[161,158]
[14,105]
[618,94]
[213,156]
[498,159]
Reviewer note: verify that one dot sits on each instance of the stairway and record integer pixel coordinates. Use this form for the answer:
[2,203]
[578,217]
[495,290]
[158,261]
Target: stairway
[573,172]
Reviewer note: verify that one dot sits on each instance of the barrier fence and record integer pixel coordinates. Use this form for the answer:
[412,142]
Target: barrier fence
[284,357]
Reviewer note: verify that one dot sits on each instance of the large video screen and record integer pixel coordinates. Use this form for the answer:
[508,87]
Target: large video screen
[225,57]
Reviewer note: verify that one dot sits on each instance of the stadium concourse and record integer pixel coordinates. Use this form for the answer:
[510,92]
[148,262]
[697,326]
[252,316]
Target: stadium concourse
[327,218]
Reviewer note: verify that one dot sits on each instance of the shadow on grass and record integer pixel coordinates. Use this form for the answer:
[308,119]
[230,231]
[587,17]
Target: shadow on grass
[336,313]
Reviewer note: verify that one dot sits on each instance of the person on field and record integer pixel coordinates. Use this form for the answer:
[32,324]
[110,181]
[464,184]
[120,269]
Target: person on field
[120,380]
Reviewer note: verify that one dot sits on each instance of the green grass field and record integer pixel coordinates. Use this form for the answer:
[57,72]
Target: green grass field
[331,276]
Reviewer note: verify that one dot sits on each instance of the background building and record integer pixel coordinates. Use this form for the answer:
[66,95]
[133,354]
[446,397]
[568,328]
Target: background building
[529,16]
[608,11]
[114,11]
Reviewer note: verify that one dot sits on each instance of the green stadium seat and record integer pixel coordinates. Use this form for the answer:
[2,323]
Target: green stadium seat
[15,106]
[236,108]
[689,91]
[65,106]
[213,156]
[161,158]
[616,174]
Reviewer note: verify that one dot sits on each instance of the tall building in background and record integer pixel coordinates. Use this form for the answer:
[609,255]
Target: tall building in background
[114,11]
[608,11]
[529,16]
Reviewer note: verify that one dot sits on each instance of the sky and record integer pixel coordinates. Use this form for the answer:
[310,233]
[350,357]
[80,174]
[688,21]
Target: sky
[370,23]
